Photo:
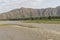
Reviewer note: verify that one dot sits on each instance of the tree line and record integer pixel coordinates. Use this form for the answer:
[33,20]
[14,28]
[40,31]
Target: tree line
[36,18]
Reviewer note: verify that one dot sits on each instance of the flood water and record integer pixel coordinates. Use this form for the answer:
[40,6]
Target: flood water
[12,31]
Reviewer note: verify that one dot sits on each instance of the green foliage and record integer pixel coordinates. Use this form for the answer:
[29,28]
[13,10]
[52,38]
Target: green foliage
[36,18]
[49,17]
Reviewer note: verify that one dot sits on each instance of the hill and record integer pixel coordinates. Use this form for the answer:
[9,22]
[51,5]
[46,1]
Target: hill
[30,13]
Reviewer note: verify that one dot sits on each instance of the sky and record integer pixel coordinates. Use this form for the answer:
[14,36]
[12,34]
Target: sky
[7,5]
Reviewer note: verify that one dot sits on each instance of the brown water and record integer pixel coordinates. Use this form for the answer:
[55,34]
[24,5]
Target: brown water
[42,32]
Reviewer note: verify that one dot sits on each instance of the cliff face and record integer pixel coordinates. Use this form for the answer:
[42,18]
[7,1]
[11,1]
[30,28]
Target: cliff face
[29,12]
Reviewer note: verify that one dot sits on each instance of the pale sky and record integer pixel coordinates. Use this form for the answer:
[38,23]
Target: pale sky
[6,5]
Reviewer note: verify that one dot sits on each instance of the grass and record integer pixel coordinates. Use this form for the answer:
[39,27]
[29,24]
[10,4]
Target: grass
[28,26]
[53,21]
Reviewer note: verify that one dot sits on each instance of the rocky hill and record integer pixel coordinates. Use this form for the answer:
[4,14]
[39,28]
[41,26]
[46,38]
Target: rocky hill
[29,12]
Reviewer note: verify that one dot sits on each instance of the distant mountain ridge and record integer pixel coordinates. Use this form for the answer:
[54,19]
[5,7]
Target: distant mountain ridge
[29,12]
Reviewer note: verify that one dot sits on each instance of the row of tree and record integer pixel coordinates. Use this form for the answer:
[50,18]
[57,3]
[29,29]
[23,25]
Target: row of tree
[37,18]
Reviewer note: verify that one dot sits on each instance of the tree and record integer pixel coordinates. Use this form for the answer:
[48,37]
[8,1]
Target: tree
[31,16]
[49,17]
